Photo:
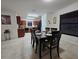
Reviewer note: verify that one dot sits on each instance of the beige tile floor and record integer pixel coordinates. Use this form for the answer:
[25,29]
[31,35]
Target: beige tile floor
[21,48]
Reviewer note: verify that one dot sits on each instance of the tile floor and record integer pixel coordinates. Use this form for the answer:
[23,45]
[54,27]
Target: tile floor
[21,48]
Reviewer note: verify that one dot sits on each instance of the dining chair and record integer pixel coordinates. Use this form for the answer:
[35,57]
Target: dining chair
[32,37]
[36,42]
[53,42]
[53,29]
[47,29]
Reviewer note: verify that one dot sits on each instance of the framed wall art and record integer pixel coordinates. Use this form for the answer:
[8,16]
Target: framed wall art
[54,20]
[29,23]
[5,19]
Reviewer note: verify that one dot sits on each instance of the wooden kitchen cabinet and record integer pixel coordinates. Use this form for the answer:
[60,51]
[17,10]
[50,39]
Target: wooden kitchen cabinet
[21,32]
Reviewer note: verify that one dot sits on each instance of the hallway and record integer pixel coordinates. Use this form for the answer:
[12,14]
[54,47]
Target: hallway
[21,48]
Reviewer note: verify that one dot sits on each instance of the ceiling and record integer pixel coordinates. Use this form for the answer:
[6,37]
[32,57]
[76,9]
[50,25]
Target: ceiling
[38,6]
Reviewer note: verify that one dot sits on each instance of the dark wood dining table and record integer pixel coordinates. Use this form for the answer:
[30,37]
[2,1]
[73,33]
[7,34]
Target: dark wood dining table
[42,37]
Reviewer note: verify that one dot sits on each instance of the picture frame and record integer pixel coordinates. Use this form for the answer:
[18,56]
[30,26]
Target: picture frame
[54,20]
[5,19]
[29,23]
[49,21]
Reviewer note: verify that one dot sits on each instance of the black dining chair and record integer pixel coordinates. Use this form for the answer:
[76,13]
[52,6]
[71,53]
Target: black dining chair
[53,42]
[37,41]
[47,29]
[34,40]
[32,37]
[53,29]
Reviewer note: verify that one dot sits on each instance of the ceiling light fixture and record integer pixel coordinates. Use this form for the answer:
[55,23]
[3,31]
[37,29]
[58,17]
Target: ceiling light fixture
[47,0]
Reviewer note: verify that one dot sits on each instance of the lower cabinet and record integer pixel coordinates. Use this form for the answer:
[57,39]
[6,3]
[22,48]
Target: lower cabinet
[21,32]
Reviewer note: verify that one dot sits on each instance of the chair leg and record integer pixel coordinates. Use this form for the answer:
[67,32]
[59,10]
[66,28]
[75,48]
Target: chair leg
[36,47]
[33,43]
[58,50]
[31,40]
[50,53]
[43,47]
[40,50]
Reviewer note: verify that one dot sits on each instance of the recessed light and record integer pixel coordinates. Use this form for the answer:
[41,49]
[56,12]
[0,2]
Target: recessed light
[47,0]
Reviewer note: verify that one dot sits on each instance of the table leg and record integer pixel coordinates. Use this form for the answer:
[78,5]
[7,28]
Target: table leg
[40,50]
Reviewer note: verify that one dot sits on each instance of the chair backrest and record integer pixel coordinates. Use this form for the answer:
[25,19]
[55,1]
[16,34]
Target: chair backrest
[32,34]
[35,37]
[53,29]
[47,29]
[56,35]
[26,29]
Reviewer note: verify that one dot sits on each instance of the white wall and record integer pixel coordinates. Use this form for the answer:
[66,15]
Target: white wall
[57,14]
[12,27]
[44,22]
